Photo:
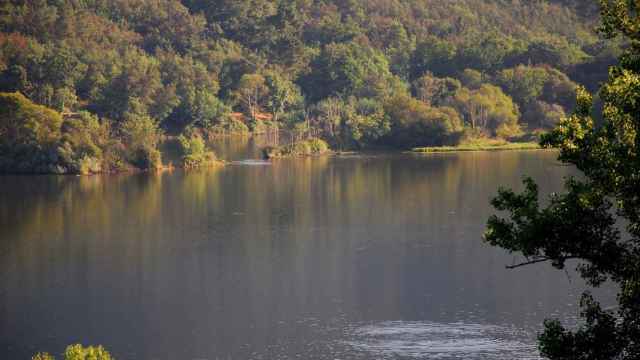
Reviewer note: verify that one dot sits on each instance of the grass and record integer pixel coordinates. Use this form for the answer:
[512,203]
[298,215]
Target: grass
[480,145]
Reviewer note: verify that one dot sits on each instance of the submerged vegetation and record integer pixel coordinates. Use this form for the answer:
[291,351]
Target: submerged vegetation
[361,73]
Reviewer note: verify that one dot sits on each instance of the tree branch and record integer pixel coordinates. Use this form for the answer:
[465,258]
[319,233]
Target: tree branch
[536,261]
[510,267]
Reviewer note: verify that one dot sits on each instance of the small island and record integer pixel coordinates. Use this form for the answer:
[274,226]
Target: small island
[308,147]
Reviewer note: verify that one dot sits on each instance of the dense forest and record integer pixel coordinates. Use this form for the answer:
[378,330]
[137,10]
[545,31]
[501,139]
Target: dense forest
[91,86]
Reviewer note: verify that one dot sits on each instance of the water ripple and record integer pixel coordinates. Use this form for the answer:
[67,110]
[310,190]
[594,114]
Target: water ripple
[425,340]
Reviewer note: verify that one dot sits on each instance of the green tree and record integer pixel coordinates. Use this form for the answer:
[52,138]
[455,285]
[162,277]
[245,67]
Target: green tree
[489,109]
[24,123]
[399,47]
[557,53]
[283,96]
[486,51]
[471,78]
[345,69]
[251,93]
[139,79]
[539,91]
[194,151]
[433,55]
[364,122]
[36,139]
[180,62]
[523,83]
[190,93]
[64,99]
[141,136]
[414,123]
[84,141]
[435,91]
[205,109]
[543,115]
[14,79]
[596,221]
[329,114]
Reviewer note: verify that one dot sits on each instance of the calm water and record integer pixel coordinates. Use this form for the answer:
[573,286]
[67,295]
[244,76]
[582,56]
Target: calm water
[363,257]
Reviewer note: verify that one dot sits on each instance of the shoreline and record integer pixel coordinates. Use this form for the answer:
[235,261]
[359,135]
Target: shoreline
[530,146]
[171,166]
[129,171]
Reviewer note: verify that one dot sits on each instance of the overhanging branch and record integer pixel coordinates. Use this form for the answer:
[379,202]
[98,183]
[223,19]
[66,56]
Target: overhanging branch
[538,260]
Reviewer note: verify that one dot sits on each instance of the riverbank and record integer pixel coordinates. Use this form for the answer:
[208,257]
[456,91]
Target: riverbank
[484,145]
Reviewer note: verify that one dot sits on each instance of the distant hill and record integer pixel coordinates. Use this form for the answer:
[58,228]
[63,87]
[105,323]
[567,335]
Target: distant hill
[193,62]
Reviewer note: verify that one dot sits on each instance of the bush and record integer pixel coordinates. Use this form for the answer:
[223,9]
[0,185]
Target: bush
[141,136]
[42,356]
[544,115]
[508,131]
[78,352]
[83,144]
[301,148]
[36,139]
[318,146]
[194,151]
[229,126]
[146,158]
[24,122]
[28,134]
[414,123]
[309,147]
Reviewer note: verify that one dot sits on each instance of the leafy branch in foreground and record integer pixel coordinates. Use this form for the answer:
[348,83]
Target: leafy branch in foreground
[597,219]
[78,352]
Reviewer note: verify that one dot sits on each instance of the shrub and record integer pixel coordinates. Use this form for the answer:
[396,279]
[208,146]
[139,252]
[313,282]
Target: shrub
[301,148]
[23,122]
[318,146]
[229,126]
[414,123]
[84,141]
[146,158]
[141,136]
[78,352]
[42,356]
[28,135]
[309,147]
[194,151]
[508,131]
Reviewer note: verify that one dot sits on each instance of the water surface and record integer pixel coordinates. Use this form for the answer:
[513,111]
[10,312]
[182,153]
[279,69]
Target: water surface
[362,257]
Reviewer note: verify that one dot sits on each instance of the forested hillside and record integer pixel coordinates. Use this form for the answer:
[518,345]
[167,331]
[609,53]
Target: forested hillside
[402,73]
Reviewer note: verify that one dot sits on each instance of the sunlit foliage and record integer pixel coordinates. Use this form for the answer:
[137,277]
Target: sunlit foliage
[192,63]
[78,352]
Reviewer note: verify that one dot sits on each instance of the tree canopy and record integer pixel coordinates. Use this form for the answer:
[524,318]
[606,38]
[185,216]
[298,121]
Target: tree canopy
[191,63]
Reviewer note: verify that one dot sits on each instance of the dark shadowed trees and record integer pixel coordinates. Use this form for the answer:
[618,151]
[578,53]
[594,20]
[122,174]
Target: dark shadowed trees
[596,220]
